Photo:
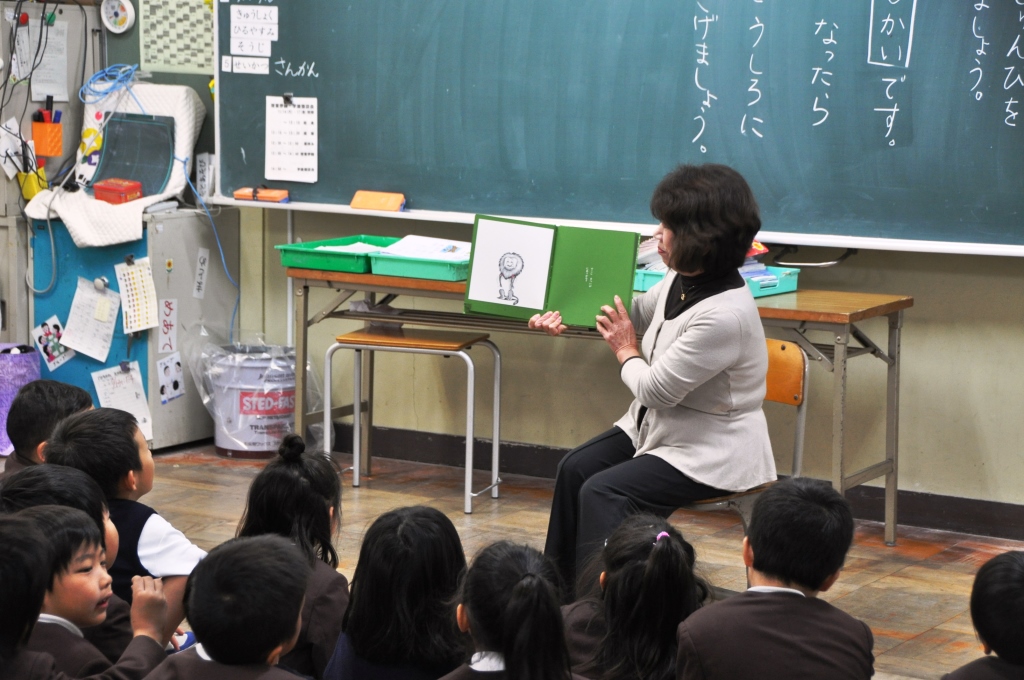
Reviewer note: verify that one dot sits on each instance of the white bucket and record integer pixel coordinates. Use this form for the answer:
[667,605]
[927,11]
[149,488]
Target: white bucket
[254,400]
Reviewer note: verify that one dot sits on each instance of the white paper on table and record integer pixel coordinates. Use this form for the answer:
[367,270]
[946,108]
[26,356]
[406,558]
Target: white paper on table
[48,339]
[168,338]
[124,391]
[291,141]
[517,247]
[358,248]
[427,248]
[50,75]
[91,320]
[171,378]
[138,295]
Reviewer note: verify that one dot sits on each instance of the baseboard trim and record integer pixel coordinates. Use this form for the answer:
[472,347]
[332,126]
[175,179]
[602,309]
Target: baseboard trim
[926,510]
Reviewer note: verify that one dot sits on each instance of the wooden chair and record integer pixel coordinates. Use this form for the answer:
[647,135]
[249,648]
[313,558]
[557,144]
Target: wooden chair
[418,341]
[787,384]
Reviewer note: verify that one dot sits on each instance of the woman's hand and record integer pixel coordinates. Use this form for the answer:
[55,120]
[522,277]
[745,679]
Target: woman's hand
[549,322]
[617,330]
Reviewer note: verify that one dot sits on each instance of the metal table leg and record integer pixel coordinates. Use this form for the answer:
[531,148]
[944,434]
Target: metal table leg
[301,349]
[892,425]
[842,339]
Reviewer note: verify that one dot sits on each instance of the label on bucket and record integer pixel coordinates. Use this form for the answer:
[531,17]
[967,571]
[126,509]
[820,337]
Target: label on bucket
[271,403]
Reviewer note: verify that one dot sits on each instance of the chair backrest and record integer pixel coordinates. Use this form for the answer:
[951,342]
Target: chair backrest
[787,384]
[787,373]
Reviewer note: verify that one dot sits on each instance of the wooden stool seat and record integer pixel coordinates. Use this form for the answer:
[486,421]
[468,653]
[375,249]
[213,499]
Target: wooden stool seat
[733,496]
[451,341]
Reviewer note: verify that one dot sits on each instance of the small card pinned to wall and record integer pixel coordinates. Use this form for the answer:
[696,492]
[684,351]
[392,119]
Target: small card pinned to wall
[91,321]
[48,337]
[123,390]
[171,377]
[138,295]
[291,142]
[202,268]
[168,341]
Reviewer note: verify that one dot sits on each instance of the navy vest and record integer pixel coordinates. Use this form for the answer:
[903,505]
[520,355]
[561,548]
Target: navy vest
[129,517]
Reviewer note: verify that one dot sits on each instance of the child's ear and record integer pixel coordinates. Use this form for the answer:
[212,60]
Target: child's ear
[41,452]
[462,618]
[830,581]
[128,483]
[748,553]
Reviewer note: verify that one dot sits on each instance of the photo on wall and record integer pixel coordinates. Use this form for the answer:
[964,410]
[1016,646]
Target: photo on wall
[171,376]
[47,337]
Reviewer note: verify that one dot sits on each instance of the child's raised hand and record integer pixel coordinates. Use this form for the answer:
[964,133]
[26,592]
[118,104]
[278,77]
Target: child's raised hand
[149,608]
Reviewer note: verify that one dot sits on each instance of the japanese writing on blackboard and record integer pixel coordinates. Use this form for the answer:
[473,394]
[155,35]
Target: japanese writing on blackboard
[702,21]
[752,120]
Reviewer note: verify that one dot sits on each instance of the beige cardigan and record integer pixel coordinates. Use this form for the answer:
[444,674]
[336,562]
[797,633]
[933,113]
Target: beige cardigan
[702,377]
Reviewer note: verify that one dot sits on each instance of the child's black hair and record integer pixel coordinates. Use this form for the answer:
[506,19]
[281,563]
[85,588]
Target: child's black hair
[36,410]
[244,598]
[100,443]
[24,575]
[54,485]
[511,596]
[800,531]
[292,497]
[399,610]
[67,530]
[649,589]
[997,606]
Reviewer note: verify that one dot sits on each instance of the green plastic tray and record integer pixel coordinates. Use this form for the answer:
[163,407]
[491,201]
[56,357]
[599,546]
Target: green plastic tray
[645,279]
[438,270]
[787,282]
[306,255]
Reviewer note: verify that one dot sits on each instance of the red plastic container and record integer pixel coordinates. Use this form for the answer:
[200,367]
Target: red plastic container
[115,190]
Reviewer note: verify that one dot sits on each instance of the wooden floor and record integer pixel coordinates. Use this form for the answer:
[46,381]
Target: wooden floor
[914,596]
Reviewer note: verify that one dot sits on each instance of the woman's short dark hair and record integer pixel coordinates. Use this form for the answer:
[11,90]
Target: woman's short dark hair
[997,605]
[54,485]
[712,215]
[101,443]
[292,497]
[649,589]
[24,575]
[512,599]
[400,603]
[244,598]
[800,531]
[67,530]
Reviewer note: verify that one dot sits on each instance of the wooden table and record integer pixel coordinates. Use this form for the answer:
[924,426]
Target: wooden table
[794,315]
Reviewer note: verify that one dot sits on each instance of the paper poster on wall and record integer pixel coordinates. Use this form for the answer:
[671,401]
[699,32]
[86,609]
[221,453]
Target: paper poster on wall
[511,263]
[291,139]
[48,336]
[176,36]
[138,295]
[91,321]
[172,378]
[49,70]
[167,340]
[123,390]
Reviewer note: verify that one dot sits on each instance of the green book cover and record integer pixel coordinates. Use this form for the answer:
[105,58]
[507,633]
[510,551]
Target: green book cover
[518,269]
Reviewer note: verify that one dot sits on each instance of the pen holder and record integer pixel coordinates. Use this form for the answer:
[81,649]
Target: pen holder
[32,183]
[49,139]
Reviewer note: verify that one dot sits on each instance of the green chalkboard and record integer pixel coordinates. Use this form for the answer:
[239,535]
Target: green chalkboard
[869,118]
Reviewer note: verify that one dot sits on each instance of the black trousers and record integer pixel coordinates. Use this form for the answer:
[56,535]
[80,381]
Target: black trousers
[598,485]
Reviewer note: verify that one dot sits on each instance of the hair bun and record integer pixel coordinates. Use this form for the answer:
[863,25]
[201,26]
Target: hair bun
[291,447]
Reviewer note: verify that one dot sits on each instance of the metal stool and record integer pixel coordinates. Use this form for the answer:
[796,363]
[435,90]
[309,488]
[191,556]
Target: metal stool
[418,341]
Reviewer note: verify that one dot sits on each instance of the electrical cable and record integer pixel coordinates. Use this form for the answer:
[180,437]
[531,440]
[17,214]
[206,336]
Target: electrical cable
[112,79]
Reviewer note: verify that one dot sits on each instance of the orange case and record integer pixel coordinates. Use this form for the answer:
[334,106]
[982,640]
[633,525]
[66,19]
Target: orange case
[378,200]
[261,194]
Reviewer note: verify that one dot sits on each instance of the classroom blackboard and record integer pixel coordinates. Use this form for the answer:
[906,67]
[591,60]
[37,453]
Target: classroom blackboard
[891,119]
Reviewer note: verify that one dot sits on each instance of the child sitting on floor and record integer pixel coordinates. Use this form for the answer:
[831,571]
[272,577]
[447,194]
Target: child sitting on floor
[35,411]
[627,627]
[509,605]
[107,445]
[60,485]
[399,624]
[79,592]
[25,573]
[997,610]
[244,602]
[298,496]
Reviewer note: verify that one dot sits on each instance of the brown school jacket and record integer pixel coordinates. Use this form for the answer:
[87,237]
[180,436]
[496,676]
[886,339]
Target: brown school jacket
[188,665]
[464,672]
[12,465]
[115,633]
[584,629]
[326,601]
[773,636]
[987,668]
[72,654]
[142,656]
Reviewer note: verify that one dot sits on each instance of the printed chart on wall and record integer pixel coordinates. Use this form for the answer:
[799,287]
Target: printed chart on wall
[122,389]
[176,36]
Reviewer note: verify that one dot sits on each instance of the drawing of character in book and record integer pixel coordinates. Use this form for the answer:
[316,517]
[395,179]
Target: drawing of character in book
[510,265]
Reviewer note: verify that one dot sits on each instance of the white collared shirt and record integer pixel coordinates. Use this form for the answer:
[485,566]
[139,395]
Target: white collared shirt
[774,589]
[62,622]
[487,662]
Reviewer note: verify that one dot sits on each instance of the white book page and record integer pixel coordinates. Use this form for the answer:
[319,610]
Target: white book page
[511,264]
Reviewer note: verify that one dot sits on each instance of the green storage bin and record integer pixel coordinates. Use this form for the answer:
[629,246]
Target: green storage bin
[306,255]
[787,282]
[412,268]
[645,279]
